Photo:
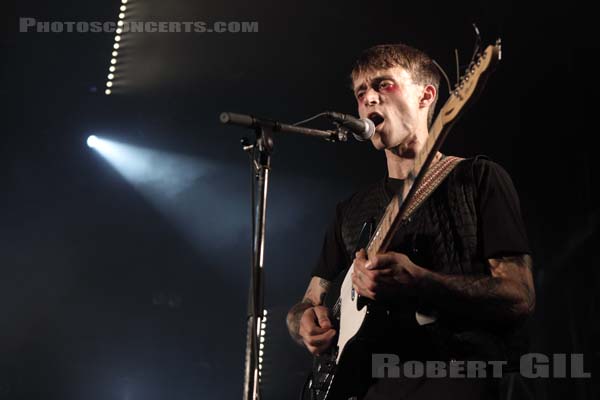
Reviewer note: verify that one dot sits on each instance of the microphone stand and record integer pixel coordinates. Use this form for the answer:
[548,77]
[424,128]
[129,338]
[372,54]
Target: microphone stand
[260,152]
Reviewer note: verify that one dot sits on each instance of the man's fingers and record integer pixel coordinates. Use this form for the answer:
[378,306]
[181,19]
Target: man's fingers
[318,344]
[366,293]
[369,277]
[379,261]
[309,323]
[319,340]
[362,285]
[361,254]
[360,258]
[322,315]
[380,273]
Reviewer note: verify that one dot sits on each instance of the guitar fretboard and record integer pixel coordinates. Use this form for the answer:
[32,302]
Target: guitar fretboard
[391,218]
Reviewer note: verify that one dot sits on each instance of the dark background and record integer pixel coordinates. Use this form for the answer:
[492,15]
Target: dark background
[103,296]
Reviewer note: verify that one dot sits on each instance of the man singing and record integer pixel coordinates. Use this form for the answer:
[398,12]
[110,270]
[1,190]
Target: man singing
[463,255]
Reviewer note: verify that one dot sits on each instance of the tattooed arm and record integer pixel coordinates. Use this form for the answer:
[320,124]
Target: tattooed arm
[308,321]
[506,294]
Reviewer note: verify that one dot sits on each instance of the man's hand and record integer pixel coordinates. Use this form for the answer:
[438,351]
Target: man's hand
[316,330]
[308,321]
[385,275]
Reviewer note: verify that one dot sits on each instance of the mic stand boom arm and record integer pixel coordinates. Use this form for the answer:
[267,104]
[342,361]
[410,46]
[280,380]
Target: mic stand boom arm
[249,121]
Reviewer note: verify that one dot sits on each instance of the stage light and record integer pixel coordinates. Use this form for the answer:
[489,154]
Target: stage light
[124,1]
[115,53]
[113,61]
[177,185]
[120,23]
[117,38]
[119,31]
[92,141]
[112,68]
[116,46]
[107,92]
[111,76]
[123,8]
[121,15]
[109,84]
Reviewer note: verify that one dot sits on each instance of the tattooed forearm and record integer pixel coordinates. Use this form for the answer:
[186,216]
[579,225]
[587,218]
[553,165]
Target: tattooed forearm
[294,316]
[526,282]
[314,296]
[324,284]
[507,294]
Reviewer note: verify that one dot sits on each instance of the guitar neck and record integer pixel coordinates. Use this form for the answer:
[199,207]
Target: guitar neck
[393,215]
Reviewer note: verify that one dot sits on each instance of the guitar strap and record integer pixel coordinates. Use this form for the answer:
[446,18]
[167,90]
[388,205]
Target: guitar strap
[434,176]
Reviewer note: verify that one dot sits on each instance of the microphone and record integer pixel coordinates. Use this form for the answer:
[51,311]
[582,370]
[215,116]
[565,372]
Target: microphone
[362,129]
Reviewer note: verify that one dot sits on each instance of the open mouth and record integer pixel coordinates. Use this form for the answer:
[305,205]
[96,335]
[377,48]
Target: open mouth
[376,117]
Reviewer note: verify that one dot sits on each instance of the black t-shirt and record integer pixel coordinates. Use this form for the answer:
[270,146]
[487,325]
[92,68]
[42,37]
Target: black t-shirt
[501,227]
[500,233]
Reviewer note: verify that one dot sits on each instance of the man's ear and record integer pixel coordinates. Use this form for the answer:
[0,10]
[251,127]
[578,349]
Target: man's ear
[428,96]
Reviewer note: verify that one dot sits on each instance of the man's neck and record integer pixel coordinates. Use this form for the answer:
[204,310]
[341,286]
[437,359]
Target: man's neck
[398,167]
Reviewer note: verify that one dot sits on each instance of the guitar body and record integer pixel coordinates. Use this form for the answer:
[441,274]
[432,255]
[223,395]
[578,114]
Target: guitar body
[337,374]
[343,372]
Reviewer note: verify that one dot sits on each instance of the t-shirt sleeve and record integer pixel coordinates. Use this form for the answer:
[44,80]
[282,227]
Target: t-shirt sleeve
[333,258]
[502,230]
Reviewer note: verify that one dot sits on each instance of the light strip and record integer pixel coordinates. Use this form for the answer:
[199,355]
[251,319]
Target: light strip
[262,332]
[118,37]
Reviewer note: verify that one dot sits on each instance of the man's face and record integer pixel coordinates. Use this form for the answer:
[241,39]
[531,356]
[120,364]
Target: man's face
[391,100]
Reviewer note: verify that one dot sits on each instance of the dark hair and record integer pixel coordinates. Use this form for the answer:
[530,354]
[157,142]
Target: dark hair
[419,65]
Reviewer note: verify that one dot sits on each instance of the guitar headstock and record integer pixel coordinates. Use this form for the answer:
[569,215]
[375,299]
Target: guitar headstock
[471,83]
